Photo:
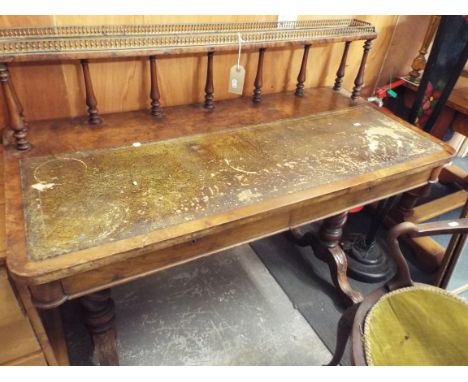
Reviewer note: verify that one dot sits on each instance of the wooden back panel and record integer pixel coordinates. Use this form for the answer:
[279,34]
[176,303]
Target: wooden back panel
[123,84]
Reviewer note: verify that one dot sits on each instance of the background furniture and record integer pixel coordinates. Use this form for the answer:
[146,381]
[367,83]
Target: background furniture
[404,323]
[446,61]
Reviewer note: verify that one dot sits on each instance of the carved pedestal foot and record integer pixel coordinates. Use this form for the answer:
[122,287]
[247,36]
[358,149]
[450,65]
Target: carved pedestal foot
[328,248]
[99,317]
[325,245]
[338,265]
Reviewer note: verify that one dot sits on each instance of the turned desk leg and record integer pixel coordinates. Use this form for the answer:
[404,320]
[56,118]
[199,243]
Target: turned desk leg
[404,209]
[327,247]
[99,317]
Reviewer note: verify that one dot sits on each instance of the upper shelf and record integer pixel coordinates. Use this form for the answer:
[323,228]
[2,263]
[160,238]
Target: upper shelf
[81,42]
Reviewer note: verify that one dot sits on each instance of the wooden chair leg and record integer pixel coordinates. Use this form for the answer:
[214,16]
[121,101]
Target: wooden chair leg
[343,333]
[99,317]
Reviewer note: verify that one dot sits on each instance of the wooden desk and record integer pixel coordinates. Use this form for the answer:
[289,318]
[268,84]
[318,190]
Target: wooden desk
[95,208]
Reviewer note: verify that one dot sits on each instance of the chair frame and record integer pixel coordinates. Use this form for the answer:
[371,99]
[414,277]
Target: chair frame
[353,319]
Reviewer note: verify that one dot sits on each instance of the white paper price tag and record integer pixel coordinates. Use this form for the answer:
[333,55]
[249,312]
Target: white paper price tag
[236,79]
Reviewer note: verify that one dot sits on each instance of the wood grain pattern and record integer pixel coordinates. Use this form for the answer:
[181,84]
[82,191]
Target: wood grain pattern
[212,174]
[17,337]
[123,85]
[132,127]
[438,207]
[408,34]
[235,233]
[35,359]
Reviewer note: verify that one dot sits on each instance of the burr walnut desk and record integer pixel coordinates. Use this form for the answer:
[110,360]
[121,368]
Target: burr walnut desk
[89,208]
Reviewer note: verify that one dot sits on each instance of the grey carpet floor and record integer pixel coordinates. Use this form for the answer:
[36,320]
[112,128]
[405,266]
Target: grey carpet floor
[224,309]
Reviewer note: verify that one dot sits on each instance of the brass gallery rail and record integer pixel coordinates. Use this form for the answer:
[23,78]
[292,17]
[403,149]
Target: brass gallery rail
[91,42]
[61,42]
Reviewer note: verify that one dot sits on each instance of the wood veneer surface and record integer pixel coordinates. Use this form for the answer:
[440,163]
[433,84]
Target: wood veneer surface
[395,152]
[84,199]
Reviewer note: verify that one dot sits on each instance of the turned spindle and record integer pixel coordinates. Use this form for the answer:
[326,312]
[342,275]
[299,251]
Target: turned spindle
[404,209]
[331,230]
[17,101]
[209,88]
[360,76]
[302,74]
[94,118]
[341,70]
[330,235]
[257,94]
[15,111]
[154,93]
[419,62]
[99,314]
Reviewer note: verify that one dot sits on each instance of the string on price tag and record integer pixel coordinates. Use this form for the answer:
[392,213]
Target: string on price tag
[237,72]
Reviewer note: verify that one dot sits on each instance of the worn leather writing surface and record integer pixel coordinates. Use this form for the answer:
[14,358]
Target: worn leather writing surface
[84,199]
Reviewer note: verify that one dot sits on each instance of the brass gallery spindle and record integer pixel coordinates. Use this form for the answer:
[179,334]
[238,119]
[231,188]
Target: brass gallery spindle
[17,123]
[341,70]
[209,88]
[94,118]
[154,93]
[302,74]
[360,76]
[257,94]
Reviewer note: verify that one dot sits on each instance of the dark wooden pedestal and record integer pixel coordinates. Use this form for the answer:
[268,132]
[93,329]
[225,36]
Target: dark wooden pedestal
[99,315]
[326,246]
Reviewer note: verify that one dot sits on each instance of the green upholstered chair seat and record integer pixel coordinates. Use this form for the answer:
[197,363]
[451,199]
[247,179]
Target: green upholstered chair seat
[419,325]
